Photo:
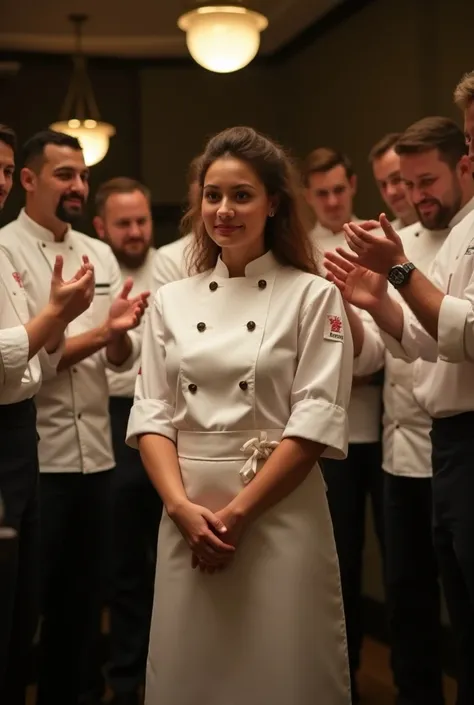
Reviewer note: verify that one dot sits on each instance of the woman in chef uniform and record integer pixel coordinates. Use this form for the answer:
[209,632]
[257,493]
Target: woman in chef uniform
[245,382]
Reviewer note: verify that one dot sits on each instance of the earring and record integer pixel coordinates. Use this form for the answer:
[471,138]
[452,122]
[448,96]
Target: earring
[271,213]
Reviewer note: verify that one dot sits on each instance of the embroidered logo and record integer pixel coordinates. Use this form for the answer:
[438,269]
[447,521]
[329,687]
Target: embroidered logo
[17,278]
[470,248]
[333,329]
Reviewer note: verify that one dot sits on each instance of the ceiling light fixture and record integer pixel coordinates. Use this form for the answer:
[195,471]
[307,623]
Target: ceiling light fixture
[222,37]
[80,115]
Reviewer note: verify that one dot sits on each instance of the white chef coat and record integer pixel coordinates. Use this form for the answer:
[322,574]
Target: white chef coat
[406,426]
[73,418]
[123,384]
[366,400]
[170,262]
[292,346]
[20,378]
[445,388]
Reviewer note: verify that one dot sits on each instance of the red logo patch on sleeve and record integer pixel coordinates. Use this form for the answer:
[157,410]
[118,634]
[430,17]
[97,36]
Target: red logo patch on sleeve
[333,329]
[17,278]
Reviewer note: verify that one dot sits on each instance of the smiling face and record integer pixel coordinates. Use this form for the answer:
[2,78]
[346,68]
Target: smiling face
[235,207]
[433,187]
[60,186]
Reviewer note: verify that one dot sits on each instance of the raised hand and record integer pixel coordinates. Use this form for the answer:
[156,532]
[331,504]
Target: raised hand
[376,252]
[68,299]
[126,313]
[358,285]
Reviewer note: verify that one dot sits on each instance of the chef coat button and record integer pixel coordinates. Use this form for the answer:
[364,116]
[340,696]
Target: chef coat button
[397,425]
[79,415]
[43,244]
[70,247]
[213,286]
[243,386]
[192,388]
[251,325]
[201,327]
[262,284]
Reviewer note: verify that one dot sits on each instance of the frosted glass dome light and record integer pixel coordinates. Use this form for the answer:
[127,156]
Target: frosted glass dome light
[93,135]
[223,38]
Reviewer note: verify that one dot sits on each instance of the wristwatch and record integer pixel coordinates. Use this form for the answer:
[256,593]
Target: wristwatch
[400,274]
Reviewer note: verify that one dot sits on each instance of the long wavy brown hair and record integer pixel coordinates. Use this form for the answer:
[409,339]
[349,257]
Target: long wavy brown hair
[287,233]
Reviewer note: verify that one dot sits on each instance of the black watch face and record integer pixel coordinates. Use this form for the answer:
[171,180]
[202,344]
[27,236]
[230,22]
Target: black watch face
[397,277]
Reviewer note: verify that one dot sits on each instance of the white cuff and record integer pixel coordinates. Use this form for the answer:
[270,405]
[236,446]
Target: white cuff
[150,416]
[49,361]
[321,422]
[453,314]
[14,351]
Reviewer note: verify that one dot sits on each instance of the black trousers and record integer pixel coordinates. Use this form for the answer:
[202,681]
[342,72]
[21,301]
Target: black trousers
[453,506]
[413,595]
[349,484]
[73,530]
[19,561]
[135,514]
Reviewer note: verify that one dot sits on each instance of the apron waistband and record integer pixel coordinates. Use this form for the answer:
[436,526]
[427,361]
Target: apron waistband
[249,447]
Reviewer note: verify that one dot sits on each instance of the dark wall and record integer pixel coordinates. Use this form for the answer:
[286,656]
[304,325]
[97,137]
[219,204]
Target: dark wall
[32,100]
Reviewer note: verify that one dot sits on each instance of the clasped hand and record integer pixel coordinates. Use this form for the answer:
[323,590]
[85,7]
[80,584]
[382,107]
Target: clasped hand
[212,537]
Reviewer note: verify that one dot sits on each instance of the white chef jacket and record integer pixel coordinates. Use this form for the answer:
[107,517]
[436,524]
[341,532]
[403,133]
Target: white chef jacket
[366,400]
[20,378]
[445,388]
[406,426]
[123,384]
[270,350]
[170,262]
[73,419]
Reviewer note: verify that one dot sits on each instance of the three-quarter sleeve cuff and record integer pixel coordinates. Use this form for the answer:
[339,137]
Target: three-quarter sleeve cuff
[49,361]
[398,349]
[451,328]
[14,351]
[321,422]
[150,416]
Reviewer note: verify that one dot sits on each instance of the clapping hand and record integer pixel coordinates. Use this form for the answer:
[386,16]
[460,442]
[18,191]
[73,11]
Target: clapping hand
[68,299]
[358,285]
[126,313]
[376,252]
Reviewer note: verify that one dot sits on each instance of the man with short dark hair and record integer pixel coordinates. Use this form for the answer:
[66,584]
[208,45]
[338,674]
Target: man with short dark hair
[124,222]
[75,450]
[411,566]
[385,164]
[438,336]
[29,351]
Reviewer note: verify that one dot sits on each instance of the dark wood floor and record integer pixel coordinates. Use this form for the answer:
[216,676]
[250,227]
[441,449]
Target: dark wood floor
[375,678]
[376,685]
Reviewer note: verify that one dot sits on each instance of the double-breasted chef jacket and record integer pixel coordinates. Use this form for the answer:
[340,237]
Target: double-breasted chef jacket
[73,417]
[282,327]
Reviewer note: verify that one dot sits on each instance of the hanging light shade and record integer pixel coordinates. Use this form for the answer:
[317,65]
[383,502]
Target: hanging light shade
[223,38]
[80,115]
[94,137]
